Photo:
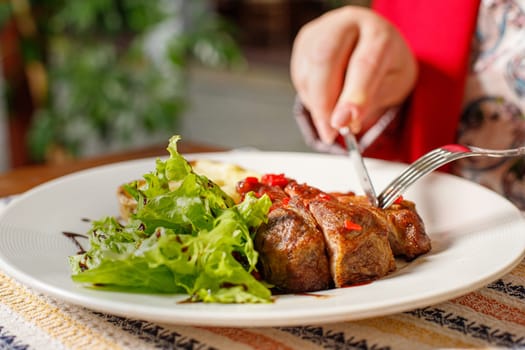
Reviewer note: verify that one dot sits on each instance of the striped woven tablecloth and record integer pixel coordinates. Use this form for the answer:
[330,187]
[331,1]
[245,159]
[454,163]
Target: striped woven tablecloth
[492,317]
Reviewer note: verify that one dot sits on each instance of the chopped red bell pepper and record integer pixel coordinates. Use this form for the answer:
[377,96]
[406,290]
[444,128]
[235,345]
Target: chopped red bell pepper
[251,180]
[248,184]
[352,226]
[274,180]
[399,200]
[324,196]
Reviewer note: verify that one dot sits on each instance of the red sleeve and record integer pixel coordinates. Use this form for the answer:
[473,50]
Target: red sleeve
[440,34]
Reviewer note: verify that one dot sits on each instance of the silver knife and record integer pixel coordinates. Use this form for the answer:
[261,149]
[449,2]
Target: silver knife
[355,155]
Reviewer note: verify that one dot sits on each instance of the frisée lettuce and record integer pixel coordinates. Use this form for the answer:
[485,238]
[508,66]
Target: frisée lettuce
[186,236]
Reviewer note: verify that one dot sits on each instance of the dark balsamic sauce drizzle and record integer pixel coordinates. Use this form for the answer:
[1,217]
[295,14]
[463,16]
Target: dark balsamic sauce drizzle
[74,238]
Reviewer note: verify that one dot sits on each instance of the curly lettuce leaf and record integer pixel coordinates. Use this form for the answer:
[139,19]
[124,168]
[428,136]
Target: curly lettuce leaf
[192,206]
[209,266]
[184,238]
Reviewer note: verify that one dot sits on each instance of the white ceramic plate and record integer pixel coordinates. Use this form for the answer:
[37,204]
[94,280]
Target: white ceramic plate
[477,237]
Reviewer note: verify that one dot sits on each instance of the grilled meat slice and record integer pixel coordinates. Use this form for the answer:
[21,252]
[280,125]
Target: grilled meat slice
[292,250]
[357,242]
[356,237]
[406,234]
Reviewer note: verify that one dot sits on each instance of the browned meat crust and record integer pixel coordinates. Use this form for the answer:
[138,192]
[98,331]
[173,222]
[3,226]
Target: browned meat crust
[314,239]
[292,251]
[406,233]
[355,255]
[356,237]
[407,236]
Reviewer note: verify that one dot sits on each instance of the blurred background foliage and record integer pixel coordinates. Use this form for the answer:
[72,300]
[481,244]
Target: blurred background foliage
[106,74]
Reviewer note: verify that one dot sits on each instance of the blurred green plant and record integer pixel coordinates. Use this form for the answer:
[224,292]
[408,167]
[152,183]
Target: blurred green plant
[117,69]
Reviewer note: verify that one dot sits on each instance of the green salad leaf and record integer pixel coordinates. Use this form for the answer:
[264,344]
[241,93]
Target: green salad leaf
[187,236]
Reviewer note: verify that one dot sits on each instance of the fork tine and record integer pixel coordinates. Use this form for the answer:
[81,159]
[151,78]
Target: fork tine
[427,158]
[395,191]
[418,169]
[423,161]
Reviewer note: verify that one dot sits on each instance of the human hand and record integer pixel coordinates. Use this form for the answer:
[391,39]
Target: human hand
[348,66]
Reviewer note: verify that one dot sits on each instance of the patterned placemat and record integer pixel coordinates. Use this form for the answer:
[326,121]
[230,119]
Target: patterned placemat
[492,317]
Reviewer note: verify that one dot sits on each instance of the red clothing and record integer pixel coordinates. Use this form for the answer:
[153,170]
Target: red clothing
[439,32]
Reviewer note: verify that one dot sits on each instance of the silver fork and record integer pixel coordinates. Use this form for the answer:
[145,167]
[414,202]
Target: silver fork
[434,160]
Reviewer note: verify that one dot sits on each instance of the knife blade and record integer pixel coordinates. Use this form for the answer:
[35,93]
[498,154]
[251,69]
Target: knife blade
[355,156]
